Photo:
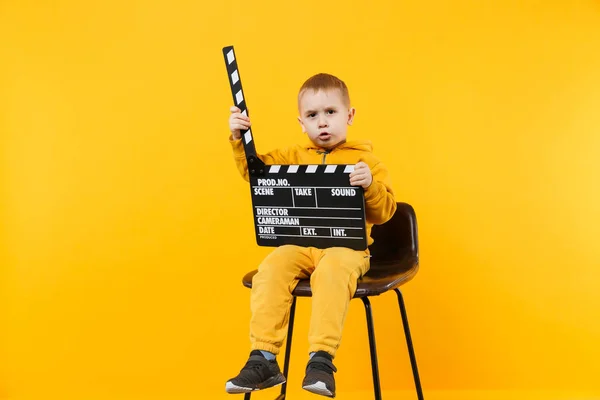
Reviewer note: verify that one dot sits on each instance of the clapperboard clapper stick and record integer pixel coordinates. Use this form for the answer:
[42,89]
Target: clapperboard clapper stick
[305,205]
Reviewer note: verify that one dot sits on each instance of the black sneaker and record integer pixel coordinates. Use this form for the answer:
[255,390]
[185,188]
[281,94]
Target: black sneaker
[258,373]
[319,375]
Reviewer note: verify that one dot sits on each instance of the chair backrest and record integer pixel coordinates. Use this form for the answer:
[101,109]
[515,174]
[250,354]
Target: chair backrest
[397,239]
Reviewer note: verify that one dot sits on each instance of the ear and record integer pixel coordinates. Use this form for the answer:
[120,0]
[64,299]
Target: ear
[302,125]
[351,113]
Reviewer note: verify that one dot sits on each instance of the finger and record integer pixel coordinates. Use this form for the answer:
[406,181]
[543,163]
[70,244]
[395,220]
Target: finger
[240,122]
[241,119]
[234,109]
[357,171]
[238,127]
[354,177]
[356,181]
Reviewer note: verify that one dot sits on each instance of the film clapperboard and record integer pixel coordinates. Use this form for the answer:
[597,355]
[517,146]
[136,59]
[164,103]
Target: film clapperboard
[305,205]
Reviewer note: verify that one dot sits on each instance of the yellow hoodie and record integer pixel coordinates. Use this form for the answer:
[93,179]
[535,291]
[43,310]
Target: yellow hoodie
[380,203]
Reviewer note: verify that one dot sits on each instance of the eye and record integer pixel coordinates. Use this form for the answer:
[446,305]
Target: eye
[330,112]
[312,115]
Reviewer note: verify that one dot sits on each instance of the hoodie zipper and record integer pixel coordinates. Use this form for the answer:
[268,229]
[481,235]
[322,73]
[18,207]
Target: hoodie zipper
[324,155]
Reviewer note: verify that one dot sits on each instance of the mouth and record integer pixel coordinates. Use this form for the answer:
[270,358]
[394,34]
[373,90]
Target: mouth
[324,135]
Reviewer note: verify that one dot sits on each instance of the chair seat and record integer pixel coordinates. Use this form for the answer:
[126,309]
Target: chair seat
[377,280]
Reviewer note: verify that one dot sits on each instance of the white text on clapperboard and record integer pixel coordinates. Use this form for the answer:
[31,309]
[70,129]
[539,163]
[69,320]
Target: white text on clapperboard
[274,214]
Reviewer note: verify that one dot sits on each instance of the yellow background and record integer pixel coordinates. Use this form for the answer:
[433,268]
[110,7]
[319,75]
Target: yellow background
[126,228]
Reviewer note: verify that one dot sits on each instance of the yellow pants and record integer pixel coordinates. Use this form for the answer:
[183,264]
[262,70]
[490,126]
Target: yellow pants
[333,274]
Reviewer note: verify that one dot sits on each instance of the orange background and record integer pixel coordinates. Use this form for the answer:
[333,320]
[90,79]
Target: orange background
[126,228]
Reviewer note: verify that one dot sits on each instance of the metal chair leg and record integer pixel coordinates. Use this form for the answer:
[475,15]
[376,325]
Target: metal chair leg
[409,344]
[373,349]
[288,349]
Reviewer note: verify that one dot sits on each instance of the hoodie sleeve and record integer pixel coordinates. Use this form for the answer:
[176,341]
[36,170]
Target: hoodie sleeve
[380,204]
[272,157]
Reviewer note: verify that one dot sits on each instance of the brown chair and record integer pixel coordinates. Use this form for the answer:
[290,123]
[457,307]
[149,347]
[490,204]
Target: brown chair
[394,261]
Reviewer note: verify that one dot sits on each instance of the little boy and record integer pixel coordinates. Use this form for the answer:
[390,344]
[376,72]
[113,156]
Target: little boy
[325,113]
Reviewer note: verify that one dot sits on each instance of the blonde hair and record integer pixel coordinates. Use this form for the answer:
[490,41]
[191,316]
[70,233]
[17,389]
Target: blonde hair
[324,81]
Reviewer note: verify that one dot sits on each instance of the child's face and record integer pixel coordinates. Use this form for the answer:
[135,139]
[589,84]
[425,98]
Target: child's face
[324,117]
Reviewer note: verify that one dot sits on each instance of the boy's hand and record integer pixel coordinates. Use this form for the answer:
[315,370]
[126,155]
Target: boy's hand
[237,121]
[361,176]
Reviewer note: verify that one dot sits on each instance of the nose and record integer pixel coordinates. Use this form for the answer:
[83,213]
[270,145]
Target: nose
[322,121]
